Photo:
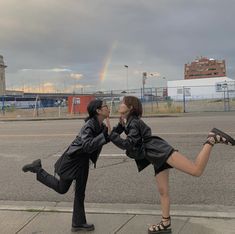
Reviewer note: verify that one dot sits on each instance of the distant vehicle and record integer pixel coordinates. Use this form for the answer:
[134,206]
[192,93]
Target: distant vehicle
[112,99]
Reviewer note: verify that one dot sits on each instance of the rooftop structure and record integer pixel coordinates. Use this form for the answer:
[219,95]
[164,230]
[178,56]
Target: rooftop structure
[205,68]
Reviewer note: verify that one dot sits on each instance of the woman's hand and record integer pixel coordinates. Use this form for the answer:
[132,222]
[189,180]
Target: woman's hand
[122,120]
[108,125]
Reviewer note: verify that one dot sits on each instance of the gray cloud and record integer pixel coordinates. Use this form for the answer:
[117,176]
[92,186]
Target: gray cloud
[154,35]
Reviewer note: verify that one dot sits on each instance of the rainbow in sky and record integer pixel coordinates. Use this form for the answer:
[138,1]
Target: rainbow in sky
[107,61]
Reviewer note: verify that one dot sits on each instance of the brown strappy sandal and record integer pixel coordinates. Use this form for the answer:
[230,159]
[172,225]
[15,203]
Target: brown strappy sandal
[160,227]
[217,136]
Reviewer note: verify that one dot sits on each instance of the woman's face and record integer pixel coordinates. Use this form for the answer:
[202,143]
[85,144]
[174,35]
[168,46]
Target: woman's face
[124,110]
[104,110]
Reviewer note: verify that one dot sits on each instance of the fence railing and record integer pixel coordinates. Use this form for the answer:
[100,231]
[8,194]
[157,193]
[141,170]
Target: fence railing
[155,100]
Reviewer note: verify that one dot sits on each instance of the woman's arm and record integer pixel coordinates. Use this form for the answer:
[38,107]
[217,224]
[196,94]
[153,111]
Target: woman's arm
[133,137]
[90,143]
[119,128]
[107,120]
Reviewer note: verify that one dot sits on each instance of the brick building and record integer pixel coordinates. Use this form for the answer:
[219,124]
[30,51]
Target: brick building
[204,68]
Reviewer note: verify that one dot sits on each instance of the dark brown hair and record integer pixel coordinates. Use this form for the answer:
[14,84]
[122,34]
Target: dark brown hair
[92,108]
[135,103]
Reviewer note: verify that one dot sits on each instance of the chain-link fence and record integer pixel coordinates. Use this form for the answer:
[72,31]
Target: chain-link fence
[158,100]
[179,99]
[32,106]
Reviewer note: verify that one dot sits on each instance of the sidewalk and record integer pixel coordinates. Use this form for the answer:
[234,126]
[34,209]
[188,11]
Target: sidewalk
[55,218]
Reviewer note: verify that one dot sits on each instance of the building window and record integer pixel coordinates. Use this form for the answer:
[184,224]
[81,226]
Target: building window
[180,91]
[187,92]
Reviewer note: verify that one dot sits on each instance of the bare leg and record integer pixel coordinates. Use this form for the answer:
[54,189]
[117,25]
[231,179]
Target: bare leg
[163,188]
[195,168]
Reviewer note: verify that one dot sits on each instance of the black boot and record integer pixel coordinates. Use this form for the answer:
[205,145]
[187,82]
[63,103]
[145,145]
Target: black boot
[34,167]
[83,227]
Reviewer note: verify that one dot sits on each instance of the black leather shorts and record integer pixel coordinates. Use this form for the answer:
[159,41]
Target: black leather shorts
[157,152]
[162,168]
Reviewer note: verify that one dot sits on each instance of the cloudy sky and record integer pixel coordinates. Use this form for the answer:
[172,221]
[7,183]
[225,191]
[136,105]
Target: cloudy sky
[66,45]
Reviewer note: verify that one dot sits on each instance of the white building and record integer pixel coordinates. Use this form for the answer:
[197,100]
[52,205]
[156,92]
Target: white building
[204,88]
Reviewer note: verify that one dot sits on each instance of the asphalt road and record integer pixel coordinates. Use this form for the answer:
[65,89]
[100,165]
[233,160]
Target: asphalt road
[116,180]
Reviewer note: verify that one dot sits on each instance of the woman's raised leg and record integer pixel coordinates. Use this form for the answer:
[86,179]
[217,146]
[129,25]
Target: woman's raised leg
[197,167]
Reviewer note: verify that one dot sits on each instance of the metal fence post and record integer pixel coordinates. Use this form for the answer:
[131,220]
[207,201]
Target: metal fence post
[226,99]
[3,105]
[151,100]
[184,99]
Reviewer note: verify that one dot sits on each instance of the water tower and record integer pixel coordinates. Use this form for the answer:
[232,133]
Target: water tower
[2,76]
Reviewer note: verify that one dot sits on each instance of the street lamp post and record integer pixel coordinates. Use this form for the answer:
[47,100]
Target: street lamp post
[126,66]
[143,81]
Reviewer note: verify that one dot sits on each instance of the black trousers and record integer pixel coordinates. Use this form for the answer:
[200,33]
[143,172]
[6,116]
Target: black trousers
[62,186]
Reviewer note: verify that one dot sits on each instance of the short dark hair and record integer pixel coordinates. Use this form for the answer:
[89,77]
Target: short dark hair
[135,103]
[92,107]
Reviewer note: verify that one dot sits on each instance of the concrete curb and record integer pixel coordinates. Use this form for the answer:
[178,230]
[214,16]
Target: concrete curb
[200,211]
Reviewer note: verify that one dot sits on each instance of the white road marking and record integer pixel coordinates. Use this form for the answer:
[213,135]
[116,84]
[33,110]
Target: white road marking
[118,155]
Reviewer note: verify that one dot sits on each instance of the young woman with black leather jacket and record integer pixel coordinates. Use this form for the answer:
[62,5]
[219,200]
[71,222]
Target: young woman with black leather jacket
[74,162]
[147,149]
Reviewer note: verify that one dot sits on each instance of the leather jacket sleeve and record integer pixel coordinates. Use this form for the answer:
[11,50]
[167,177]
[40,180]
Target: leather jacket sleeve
[89,142]
[119,128]
[133,138]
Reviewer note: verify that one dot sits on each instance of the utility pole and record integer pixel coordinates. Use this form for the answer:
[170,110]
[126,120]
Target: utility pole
[126,66]
[144,78]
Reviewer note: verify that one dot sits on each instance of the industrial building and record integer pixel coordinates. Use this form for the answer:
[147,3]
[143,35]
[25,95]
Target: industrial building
[203,79]
[204,68]
[195,89]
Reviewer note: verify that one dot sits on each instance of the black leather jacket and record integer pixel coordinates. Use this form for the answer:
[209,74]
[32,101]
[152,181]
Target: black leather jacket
[87,145]
[89,141]
[137,131]
[140,144]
